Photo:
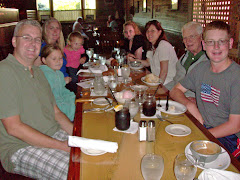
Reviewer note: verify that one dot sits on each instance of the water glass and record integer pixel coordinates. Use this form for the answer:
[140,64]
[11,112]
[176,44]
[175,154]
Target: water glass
[152,167]
[125,73]
[102,60]
[183,168]
[112,83]
[133,107]
[139,95]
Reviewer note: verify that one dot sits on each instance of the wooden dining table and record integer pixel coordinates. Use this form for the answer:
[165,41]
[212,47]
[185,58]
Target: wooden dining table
[126,162]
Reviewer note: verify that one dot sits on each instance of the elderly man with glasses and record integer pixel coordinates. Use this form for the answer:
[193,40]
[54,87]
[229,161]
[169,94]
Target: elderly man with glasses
[192,37]
[216,83]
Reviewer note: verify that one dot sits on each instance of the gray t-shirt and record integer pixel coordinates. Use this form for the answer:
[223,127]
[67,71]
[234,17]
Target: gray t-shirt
[217,94]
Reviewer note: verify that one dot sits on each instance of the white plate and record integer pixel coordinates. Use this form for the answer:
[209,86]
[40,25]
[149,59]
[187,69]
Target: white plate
[178,130]
[101,101]
[222,161]
[92,152]
[136,68]
[150,84]
[179,108]
[139,87]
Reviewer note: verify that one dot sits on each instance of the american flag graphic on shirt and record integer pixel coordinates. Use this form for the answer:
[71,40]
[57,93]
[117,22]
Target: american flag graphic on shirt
[210,94]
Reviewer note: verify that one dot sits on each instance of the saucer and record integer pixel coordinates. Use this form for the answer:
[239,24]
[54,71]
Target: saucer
[101,101]
[178,130]
[92,152]
[222,161]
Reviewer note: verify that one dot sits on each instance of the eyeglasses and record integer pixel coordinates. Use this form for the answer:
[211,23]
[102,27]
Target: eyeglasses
[192,37]
[30,39]
[220,42]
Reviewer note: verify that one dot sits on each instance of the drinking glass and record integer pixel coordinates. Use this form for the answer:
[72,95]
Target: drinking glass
[89,53]
[102,60]
[183,168]
[112,83]
[122,119]
[125,73]
[133,107]
[139,94]
[152,167]
[149,105]
[98,86]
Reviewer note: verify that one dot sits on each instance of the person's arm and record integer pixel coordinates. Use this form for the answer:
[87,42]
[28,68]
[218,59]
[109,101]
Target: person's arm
[163,70]
[15,127]
[138,53]
[177,93]
[63,120]
[232,126]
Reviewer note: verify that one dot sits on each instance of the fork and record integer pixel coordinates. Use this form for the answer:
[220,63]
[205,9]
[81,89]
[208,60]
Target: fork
[161,119]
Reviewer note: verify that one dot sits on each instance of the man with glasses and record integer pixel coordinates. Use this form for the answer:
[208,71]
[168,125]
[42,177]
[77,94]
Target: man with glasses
[216,83]
[192,37]
[33,131]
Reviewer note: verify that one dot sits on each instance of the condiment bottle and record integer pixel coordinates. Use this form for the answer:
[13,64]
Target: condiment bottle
[142,131]
[151,131]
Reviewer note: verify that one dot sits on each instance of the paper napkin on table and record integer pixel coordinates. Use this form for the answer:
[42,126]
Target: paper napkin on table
[107,146]
[217,174]
[132,129]
[85,84]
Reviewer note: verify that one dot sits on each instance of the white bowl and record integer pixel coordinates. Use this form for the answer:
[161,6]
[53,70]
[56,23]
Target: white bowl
[119,97]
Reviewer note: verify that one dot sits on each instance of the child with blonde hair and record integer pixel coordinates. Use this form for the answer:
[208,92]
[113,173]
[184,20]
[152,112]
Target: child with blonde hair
[75,54]
[52,57]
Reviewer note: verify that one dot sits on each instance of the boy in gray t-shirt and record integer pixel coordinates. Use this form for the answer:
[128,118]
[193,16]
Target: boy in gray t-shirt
[216,84]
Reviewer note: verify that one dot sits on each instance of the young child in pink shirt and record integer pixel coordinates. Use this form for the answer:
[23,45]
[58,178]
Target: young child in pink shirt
[75,54]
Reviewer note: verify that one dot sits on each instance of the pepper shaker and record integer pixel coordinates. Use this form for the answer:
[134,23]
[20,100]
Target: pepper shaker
[142,131]
[151,131]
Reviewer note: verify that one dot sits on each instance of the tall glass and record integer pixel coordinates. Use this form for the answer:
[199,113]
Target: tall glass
[122,119]
[183,168]
[152,167]
[90,54]
[112,83]
[125,73]
[139,95]
[133,107]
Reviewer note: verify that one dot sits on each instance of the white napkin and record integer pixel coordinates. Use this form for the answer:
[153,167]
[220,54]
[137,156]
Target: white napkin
[107,146]
[216,174]
[85,84]
[94,94]
[154,116]
[132,129]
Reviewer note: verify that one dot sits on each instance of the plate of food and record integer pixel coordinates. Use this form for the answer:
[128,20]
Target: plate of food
[174,107]
[151,80]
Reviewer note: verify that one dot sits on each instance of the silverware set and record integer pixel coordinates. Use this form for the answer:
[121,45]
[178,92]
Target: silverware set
[162,119]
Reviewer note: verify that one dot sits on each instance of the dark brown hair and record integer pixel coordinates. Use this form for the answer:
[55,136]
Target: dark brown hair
[158,27]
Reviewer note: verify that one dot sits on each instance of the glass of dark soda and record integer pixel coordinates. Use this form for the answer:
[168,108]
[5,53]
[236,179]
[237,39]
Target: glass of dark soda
[122,119]
[149,105]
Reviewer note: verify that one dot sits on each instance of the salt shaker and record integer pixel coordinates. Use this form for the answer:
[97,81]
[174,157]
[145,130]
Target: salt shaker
[151,131]
[142,131]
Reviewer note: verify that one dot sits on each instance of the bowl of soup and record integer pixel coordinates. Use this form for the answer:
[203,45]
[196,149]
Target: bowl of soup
[205,151]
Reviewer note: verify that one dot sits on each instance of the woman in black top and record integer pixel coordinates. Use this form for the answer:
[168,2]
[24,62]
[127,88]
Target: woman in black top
[134,40]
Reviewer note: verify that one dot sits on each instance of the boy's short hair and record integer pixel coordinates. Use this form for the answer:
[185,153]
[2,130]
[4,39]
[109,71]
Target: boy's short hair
[75,34]
[220,25]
